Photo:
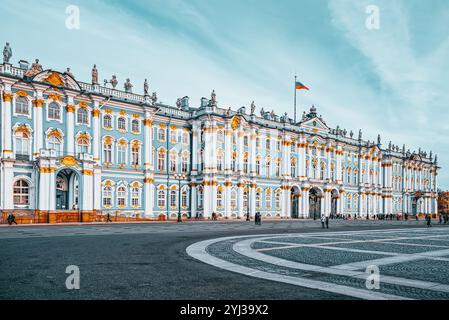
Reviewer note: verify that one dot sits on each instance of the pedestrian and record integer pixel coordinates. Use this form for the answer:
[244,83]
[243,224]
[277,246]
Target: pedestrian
[428,220]
[327,222]
[323,220]
[108,218]
[213,216]
[258,218]
[416,217]
[440,219]
[11,219]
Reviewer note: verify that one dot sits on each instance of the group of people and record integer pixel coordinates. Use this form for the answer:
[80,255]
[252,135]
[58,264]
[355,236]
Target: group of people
[443,218]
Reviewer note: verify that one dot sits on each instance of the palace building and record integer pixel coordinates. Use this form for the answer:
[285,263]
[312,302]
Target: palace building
[75,151]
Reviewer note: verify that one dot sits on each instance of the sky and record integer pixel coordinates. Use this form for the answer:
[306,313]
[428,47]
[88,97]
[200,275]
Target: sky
[389,77]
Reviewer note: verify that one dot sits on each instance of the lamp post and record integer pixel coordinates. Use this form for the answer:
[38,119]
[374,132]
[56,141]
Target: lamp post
[247,183]
[179,177]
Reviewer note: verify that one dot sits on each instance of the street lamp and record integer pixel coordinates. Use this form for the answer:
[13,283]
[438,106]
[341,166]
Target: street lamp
[179,177]
[247,183]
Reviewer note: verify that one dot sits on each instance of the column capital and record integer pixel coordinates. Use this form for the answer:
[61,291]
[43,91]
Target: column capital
[7,96]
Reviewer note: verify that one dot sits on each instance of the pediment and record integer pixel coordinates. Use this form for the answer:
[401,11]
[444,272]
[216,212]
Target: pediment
[57,79]
[315,124]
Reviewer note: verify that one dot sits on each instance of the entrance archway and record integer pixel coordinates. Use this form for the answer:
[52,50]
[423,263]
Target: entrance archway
[315,196]
[67,190]
[295,195]
[334,203]
[416,205]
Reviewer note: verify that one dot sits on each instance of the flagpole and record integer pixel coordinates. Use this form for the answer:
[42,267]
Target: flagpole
[295,100]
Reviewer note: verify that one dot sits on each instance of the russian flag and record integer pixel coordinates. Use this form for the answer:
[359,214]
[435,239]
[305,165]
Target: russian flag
[299,86]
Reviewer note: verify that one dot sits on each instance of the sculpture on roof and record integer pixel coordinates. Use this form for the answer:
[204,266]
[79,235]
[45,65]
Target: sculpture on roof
[272,114]
[154,98]
[228,112]
[7,53]
[145,87]
[253,107]
[360,134]
[378,139]
[113,81]
[94,75]
[178,103]
[262,112]
[68,72]
[128,86]
[213,98]
[351,134]
[35,69]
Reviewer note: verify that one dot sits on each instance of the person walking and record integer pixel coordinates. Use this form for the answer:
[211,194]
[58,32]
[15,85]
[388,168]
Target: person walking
[108,218]
[323,220]
[440,219]
[428,219]
[11,219]
[258,218]
[327,222]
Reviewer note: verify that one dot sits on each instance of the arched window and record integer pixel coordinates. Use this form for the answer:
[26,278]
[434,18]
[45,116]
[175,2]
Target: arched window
[121,123]
[200,197]
[173,135]
[21,106]
[173,161]
[233,199]
[268,198]
[135,126]
[121,151]
[355,177]
[245,165]
[135,197]
[185,137]
[22,142]
[245,140]
[268,144]
[233,161]
[161,198]
[277,199]
[161,134]
[219,198]
[107,196]
[268,167]
[107,121]
[135,153]
[82,116]
[21,192]
[220,136]
[258,166]
[54,143]
[107,152]
[293,167]
[173,198]
[220,161]
[121,197]
[278,167]
[348,178]
[332,173]
[161,160]
[54,111]
[259,199]
[245,198]
[322,171]
[82,145]
[184,198]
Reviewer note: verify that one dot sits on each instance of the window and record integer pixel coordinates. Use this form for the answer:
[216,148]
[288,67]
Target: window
[22,143]
[121,123]
[173,160]
[245,164]
[54,111]
[161,198]
[121,152]
[121,197]
[107,196]
[200,197]
[173,135]
[219,198]
[107,153]
[322,171]
[268,143]
[258,166]
[257,142]
[82,145]
[135,153]
[332,173]
[185,163]
[135,195]
[245,141]
[161,160]
[21,192]
[135,126]
[220,136]
[21,106]
[278,145]
[258,199]
[293,147]
[184,198]
[107,121]
[54,143]
[161,134]
[278,168]
[348,178]
[173,198]
[245,199]
[185,137]
[233,199]
[220,161]
[82,117]
[355,177]
[268,199]
[277,199]
[233,161]
[234,139]
[293,167]
[268,167]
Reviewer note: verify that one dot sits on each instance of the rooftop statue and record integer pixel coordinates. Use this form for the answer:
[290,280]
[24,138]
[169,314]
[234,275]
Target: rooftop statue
[7,53]
[94,75]
[272,114]
[360,134]
[351,134]
[35,69]
[145,87]
[68,72]
[213,98]
[178,103]
[128,86]
[253,107]
[154,98]
[113,81]
[228,112]
[378,139]
[262,112]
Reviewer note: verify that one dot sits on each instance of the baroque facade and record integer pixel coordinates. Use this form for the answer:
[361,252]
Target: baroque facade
[73,151]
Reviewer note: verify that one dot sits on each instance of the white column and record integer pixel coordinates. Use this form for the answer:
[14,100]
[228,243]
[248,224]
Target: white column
[228,149]
[241,212]
[97,189]
[196,132]
[252,207]
[7,184]
[87,189]
[227,198]
[96,132]
[6,123]
[148,164]
[70,127]
[193,200]
[38,124]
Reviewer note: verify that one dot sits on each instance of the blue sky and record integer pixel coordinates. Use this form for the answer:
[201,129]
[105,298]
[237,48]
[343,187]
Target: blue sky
[393,81]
